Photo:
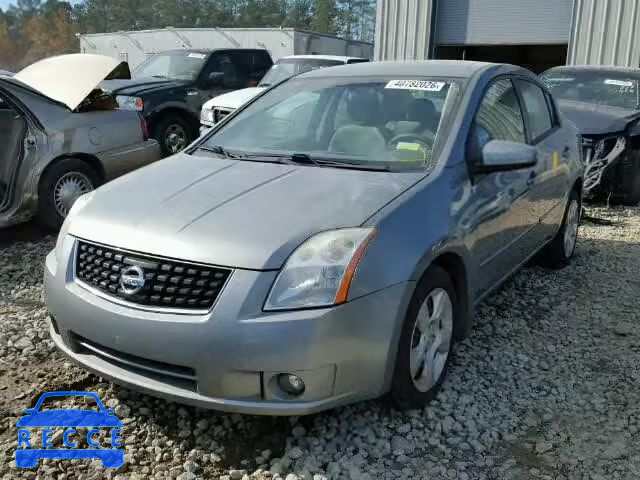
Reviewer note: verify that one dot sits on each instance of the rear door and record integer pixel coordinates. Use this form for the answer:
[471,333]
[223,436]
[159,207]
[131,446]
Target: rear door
[501,215]
[554,146]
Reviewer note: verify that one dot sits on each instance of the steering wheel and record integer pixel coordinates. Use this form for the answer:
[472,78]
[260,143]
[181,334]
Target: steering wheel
[412,138]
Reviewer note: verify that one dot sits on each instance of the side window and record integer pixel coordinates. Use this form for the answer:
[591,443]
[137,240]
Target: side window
[245,68]
[499,114]
[536,108]
[555,121]
[222,62]
[261,64]
[498,117]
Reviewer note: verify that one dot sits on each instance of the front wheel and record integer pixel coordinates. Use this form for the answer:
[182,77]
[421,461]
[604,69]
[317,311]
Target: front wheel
[426,341]
[561,248]
[173,133]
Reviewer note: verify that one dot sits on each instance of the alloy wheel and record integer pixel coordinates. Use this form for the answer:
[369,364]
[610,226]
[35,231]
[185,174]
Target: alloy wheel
[571,228]
[431,339]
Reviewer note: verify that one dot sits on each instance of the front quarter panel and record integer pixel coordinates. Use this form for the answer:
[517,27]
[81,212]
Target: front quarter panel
[414,229]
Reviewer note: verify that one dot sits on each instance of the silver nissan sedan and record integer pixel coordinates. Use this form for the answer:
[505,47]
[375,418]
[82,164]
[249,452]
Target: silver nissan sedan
[326,243]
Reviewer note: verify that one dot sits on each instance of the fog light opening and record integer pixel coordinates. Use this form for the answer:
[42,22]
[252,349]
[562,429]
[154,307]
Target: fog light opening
[291,384]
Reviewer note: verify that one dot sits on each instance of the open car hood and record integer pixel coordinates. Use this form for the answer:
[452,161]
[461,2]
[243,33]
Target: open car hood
[68,79]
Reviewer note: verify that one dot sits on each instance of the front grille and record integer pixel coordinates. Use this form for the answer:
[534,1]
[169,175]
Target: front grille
[219,113]
[167,283]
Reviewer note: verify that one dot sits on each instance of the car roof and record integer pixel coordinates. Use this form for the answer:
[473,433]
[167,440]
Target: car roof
[417,68]
[339,58]
[596,68]
[211,50]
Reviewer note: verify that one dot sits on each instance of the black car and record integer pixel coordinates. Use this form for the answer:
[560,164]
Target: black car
[604,103]
[169,88]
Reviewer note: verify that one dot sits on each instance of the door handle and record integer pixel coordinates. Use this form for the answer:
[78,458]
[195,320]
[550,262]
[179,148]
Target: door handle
[532,178]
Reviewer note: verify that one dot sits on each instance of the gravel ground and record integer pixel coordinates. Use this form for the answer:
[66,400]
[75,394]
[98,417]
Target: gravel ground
[546,387]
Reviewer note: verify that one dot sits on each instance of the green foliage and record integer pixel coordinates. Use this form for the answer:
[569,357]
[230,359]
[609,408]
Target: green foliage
[33,29]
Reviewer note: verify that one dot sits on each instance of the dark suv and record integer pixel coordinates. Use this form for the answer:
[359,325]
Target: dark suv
[170,87]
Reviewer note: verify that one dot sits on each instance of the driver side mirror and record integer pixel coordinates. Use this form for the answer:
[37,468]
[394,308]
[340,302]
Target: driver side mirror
[504,155]
[215,79]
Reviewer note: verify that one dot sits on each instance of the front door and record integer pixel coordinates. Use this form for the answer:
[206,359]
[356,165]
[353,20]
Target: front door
[500,205]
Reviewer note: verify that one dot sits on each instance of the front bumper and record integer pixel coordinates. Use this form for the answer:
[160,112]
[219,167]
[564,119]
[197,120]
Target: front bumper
[229,358]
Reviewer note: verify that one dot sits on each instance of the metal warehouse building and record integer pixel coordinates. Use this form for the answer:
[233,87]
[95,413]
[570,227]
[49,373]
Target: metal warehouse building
[136,46]
[536,34]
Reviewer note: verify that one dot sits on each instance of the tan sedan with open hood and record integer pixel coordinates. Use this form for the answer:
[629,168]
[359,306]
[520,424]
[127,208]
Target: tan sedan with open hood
[61,136]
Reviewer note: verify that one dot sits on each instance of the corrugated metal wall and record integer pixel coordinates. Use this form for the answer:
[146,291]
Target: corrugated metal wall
[505,22]
[605,32]
[403,29]
[136,46]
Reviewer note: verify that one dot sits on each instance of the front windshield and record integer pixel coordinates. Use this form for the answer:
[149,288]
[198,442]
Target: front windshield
[600,88]
[175,65]
[380,120]
[288,67]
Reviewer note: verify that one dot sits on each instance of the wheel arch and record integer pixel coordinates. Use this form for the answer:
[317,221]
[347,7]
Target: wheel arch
[174,110]
[577,186]
[454,265]
[88,158]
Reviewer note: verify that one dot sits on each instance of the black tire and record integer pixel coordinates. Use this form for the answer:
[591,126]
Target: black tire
[404,390]
[173,132]
[49,215]
[554,254]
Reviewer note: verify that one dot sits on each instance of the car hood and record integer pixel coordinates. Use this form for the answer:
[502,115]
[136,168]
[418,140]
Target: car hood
[597,119]
[140,86]
[227,212]
[68,79]
[233,99]
[69,418]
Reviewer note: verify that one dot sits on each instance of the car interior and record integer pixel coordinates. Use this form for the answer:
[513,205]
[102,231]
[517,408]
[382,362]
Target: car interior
[394,119]
[12,132]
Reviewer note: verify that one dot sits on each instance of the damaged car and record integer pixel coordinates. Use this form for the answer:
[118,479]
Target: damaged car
[604,103]
[62,136]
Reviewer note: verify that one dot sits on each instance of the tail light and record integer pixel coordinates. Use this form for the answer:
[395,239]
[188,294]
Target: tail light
[144,127]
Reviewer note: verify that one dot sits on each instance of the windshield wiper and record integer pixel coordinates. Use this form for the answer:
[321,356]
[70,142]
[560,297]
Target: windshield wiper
[306,159]
[220,150]
[292,159]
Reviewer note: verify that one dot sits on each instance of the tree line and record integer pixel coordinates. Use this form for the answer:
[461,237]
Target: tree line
[35,29]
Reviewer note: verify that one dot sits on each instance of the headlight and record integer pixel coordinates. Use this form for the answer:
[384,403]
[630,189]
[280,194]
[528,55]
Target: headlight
[206,115]
[130,103]
[319,272]
[78,205]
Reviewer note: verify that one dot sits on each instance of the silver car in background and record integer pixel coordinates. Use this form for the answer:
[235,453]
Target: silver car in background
[61,137]
[325,244]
